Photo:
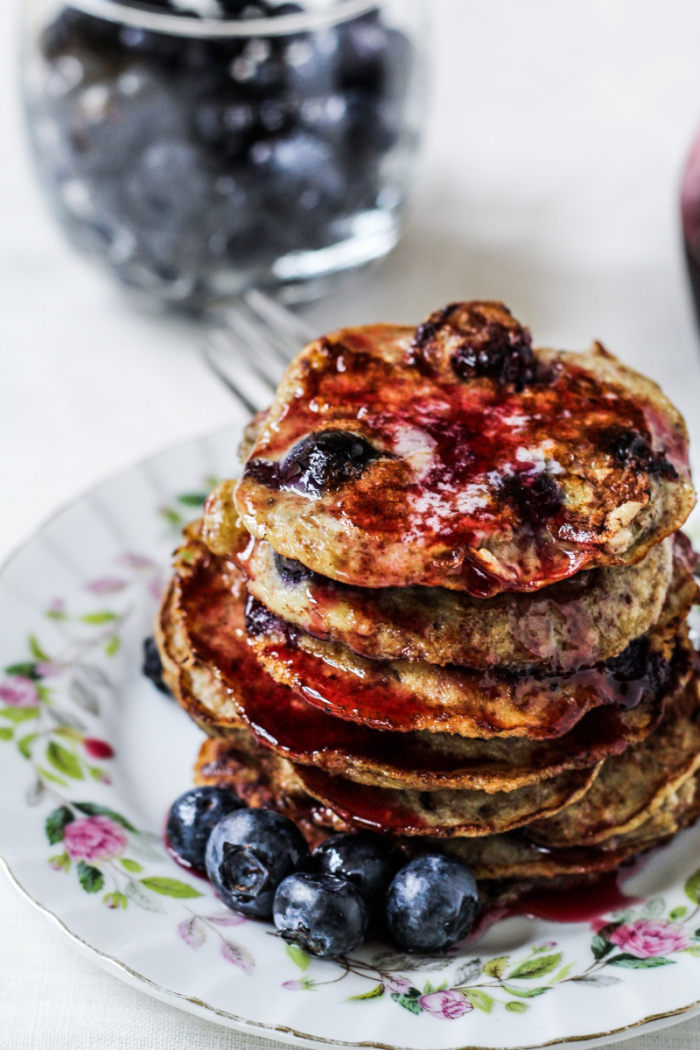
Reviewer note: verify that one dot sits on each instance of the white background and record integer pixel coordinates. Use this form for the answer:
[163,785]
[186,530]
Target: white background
[550,180]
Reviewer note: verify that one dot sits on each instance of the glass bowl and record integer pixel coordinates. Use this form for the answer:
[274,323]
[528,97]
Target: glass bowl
[250,144]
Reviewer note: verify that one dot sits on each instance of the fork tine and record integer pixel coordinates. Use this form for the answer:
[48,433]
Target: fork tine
[249,343]
[223,356]
[290,329]
[258,347]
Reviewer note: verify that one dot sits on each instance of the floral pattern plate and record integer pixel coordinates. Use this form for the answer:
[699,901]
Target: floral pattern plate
[92,755]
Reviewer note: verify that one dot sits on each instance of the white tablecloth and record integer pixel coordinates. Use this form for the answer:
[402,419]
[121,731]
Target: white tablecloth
[550,180]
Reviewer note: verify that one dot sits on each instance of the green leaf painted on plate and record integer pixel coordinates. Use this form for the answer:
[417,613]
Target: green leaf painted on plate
[23,670]
[90,878]
[496,967]
[56,822]
[601,946]
[169,887]
[631,962]
[92,809]
[298,957]
[64,761]
[69,733]
[55,614]
[564,972]
[692,887]
[678,913]
[47,775]
[170,515]
[113,645]
[373,993]
[98,618]
[192,499]
[408,1000]
[131,865]
[19,714]
[37,652]
[526,993]
[6,733]
[24,745]
[517,1008]
[534,969]
[479,999]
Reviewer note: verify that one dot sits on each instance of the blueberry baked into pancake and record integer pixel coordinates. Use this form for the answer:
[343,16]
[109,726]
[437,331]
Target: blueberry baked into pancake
[442,613]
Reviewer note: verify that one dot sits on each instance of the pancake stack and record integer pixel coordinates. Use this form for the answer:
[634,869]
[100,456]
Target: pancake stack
[447,601]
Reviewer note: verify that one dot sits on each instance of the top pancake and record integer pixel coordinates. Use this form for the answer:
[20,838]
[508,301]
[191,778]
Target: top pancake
[456,456]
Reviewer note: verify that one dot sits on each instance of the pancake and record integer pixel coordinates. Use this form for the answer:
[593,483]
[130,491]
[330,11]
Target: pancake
[403,695]
[590,617]
[455,455]
[260,778]
[207,664]
[514,857]
[631,787]
[443,813]
[627,791]
[264,779]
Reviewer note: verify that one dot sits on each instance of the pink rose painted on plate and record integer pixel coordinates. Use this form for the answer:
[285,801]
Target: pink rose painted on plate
[647,938]
[18,692]
[449,1004]
[94,838]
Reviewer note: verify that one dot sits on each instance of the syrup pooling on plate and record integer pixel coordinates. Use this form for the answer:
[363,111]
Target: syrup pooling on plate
[492,466]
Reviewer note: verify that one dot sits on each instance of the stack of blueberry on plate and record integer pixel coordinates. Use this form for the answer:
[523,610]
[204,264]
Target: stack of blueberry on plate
[186,160]
[446,602]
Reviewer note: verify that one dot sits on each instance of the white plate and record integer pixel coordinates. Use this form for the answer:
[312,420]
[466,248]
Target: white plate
[92,756]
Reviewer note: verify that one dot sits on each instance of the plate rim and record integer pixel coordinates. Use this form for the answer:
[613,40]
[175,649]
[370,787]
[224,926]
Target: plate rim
[198,1007]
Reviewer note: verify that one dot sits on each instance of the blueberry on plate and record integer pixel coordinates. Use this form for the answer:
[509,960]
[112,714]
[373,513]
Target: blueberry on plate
[323,914]
[432,903]
[192,819]
[248,855]
[152,666]
[365,859]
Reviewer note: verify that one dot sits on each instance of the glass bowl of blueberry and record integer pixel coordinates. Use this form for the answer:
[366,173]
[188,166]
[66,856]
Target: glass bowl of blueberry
[203,147]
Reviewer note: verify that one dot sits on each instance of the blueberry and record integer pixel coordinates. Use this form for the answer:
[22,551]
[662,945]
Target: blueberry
[365,859]
[249,854]
[498,353]
[432,903]
[300,181]
[323,914]
[165,200]
[152,666]
[628,448]
[291,571]
[323,462]
[536,497]
[192,818]
[363,53]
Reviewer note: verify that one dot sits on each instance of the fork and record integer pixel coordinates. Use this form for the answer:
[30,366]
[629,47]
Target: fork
[249,344]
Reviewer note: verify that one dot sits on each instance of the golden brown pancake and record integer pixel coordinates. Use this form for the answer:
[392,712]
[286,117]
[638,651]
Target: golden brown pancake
[404,695]
[631,787]
[455,455]
[443,813]
[208,666]
[589,617]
